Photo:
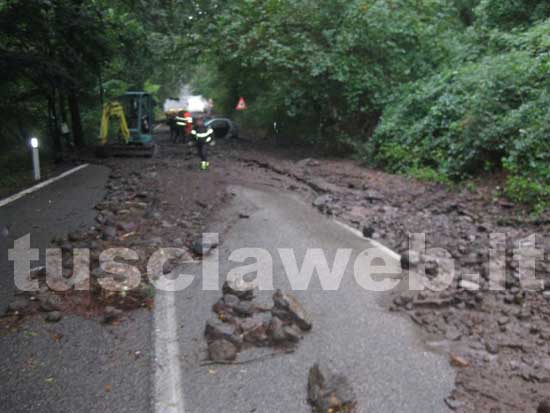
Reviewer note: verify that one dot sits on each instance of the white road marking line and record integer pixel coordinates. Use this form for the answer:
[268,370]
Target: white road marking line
[41,185]
[377,244]
[168,392]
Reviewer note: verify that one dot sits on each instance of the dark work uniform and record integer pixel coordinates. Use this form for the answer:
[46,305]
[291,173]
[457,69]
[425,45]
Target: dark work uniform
[203,136]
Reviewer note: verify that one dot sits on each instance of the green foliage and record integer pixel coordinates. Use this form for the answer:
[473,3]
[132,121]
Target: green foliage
[511,13]
[477,117]
[434,89]
[296,66]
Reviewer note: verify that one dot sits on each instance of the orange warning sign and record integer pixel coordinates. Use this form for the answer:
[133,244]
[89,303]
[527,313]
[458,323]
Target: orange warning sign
[241,105]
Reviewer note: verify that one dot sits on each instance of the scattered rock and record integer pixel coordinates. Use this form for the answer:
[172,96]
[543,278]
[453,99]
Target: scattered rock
[409,259]
[492,347]
[245,293]
[54,317]
[48,303]
[322,201]
[222,350]
[453,404]
[244,309]
[292,333]
[231,300]
[109,233]
[368,231]
[202,248]
[289,308]
[217,330]
[469,285]
[329,392]
[458,361]
[111,314]
[277,331]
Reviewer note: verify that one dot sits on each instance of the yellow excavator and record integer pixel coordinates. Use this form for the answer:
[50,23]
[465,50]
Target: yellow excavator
[134,114]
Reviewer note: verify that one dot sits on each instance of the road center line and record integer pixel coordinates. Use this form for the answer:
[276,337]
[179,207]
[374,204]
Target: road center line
[394,255]
[168,391]
[41,185]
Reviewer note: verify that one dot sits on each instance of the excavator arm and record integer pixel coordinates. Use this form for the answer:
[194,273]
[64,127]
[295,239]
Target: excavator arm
[113,110]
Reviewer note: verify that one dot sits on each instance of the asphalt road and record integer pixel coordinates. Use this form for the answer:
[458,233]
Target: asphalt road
[380,352]
[82,365]
[76,365]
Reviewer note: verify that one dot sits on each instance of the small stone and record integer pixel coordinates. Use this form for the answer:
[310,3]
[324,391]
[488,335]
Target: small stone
[459,362]
[502,321]
[453,334]
[127,226]
[217,330]
[244,293]
[75,236]
[48,304]
[109,233]
[453,404]
[201,248]
[54,317]
[111,314]
[322,201]
[368,231]
[231,300]
[287,303]
[276,330]
[492,347]
[292,333]
[222,350]
[329,392]
[431,268]
[244,309]
[409,259]
[469,285]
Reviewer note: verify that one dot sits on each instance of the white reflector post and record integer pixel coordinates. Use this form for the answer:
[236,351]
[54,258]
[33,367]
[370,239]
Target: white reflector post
[35,159]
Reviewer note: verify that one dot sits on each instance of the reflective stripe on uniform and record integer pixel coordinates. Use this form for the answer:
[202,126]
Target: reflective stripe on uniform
[205,134]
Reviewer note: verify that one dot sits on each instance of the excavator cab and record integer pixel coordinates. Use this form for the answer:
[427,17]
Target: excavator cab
[134,113]
[138,107]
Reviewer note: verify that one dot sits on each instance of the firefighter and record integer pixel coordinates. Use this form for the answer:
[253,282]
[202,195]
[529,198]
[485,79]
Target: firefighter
[173,127]
[184,122]
[188,125]
[203,137]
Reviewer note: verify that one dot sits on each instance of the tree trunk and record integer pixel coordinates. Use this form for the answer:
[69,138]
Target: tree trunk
[74,108]
[53,125]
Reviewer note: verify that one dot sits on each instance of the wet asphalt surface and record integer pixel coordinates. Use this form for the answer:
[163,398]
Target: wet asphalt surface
[76,365]
[380,352]
[80,365]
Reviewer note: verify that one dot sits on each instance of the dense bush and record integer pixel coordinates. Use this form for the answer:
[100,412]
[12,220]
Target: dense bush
[479,116]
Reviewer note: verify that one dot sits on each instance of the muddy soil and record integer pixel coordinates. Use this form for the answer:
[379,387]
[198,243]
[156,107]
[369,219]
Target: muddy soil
[499,341]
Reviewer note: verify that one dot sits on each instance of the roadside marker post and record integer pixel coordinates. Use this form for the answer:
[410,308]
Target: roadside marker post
[35,159]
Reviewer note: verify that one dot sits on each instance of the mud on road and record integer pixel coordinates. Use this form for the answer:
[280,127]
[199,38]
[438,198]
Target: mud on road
[498,341]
